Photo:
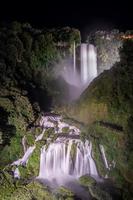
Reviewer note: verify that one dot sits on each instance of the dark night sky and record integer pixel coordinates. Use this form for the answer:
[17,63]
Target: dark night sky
[84,15]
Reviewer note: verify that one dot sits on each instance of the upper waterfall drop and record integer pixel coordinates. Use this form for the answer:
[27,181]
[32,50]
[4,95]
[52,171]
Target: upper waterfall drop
[84,63]
[88,63]
[79,69]
[74,58]
[86,70]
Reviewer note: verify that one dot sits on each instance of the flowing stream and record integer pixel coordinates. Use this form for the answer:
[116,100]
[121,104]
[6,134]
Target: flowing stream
[63,160]
[58,160]
[104,156]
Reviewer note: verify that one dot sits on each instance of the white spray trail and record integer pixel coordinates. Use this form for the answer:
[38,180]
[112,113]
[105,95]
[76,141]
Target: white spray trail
[25,158]
[16,173]
[39,137]
[24,143]
[104,156]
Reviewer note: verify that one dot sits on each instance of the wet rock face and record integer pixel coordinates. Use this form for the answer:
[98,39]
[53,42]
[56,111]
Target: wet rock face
[108,44]
[56,122]
[66,154]
[63,151]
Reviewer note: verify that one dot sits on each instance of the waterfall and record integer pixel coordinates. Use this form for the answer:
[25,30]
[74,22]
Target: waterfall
[57,161]
[79,69]
[104,156]
[64,159]
[74,58]
[24,143]
[88,63]
[16,173]
[39,137]
[92,62]
[82,71]
[84,63]
[25,158]
[66,156]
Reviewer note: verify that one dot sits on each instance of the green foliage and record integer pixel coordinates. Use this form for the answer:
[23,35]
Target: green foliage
[11,152]
[66,34]
[87,181]
[28,57]
[117,177]
[64,193]
[34,163]
[65,130]
[30,138]
[129,129]
[13,190]
[108,44]
[25,49]
[38,131]
[109,99]
[16,27]
[49,132]
[16,113]
[73,151]
[99,194]
[7,186]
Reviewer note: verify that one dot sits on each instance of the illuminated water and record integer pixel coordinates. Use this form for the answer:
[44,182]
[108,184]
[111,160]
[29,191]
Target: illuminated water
[60,161]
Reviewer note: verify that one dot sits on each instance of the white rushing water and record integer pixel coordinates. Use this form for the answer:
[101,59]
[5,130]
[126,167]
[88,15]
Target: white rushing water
[39,137]
[25,158]
[84,63]
[78,70]
[58,125]
[92,62]
[83,68]
[104,156]
[57,162]
[16,173]
[64,160]
[88,64]
[24,143]
[74,58]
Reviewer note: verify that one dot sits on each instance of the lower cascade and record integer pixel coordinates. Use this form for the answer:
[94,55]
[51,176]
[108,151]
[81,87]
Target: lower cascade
[62,160]
[67,158]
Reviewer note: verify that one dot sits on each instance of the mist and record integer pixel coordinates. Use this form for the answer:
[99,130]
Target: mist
[78,70]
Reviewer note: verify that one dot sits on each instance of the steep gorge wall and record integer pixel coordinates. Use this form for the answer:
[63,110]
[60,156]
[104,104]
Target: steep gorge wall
[108,44]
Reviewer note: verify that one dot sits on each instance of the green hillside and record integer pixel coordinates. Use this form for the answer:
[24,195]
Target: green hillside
[106,109]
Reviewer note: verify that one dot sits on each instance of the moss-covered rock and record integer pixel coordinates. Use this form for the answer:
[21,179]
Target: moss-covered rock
[17,115]
[73,151]
[87,181]
[64,193]
[7,186]
[65,130]
[98,193]
[34,162]
[11,152]
[105,108]
[30,138]
[12,189]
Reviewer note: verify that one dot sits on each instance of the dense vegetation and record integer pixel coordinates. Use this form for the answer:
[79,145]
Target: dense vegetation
[28,58]
[108,44]
[106,108]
